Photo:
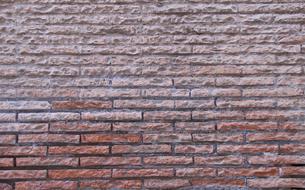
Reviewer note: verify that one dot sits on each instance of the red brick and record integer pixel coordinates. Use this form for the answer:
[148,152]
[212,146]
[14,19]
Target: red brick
[257,172]
[166,184]
[227,182]
[6,162]
[79,126]
[5,186]
[251,126]
[142,173]
[167,115]
[276,159]
[194,149]
[23,174]
[109,184]
[195,172]
[7,139]
[195,126]
[218,137]
[292,171]
[168,160]
[23,127]
[167,137]
[47,161]
[84,149]
[65,105]
[111,116]
[78,173]
[110,138]
[247,149]
[49,138]
[277,183]
[219,160]
[23,151]
[142,126]
[141,149]
[109,161]
[64,185]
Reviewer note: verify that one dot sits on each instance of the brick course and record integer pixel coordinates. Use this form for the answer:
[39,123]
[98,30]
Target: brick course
[152,94]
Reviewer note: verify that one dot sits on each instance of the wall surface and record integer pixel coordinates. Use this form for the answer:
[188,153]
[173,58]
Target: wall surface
[152,94]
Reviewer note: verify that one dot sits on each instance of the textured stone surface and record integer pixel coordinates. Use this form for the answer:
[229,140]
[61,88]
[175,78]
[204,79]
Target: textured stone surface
[152,94]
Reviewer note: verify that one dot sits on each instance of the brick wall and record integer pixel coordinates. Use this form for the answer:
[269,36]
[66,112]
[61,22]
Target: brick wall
[152,94]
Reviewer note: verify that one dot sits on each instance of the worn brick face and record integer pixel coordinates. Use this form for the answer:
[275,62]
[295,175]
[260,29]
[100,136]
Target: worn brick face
[152,94]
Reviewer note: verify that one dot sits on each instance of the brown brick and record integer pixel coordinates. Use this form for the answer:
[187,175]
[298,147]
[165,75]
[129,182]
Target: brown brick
[111,116]
[141,149]
[166,184]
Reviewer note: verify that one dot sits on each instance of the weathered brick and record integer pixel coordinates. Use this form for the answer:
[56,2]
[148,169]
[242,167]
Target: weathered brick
[110,184]
[84,149]
[47,161]
[111,138]
[142,172]
[78,173]
[65,185]
[109,161]
[119,115]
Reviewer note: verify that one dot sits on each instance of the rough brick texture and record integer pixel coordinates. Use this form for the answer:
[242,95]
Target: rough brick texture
[152,94]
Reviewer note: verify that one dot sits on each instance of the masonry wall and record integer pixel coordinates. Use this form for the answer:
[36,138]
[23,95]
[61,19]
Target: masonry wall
[152,94]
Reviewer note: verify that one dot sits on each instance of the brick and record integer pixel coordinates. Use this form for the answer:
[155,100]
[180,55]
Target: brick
[108,116]
[247,149]
[144,104]
[75,150]
[195,126]
[279,136]
[250,126]
[276,159]
[47,161]
[23,174]
[5,186]
[277,183]
[48,138]
[200,149]
[111,138]
[278,92]
[109,161]
[23,150]
[62,126]
[218,137]
[141,126]
[194,172]
[23,127]
[141,149]
[257,172]
[194,104]
[7,139]
[219,160]
[166,184]
[292,148]
[24,105]
[292,171]
[168,160]
[218,115]
[222,182]
[142,172]
[109,184]
[6,117]
[65,185]
[59,116]
[167,137]
[79,173]
[6,162]
[167,115]
[81,104]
